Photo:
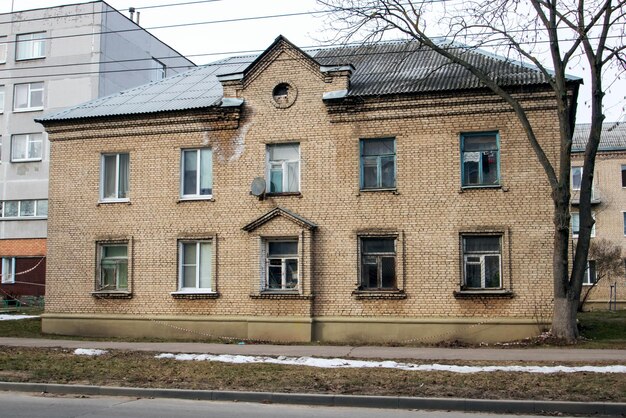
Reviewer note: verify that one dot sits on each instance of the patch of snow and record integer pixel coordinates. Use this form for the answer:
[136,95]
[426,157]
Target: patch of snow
[16,317]
[89,352]
[345,363]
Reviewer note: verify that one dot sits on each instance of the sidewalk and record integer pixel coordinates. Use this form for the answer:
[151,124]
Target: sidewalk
[362,352]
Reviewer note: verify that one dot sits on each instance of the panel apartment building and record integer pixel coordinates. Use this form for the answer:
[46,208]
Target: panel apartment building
[50,59]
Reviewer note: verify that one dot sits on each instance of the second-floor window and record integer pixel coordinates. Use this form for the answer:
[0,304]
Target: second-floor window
[378,163]
[24,208]
[577,177]
[26,147]
[576,225]
[114,177]
[30,46]
[197,173]
[283,168]
[480,158]
[1,99]
[28,96]
[3,49]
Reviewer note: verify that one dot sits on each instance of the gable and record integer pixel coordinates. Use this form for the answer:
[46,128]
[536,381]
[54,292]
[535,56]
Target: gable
[283,213]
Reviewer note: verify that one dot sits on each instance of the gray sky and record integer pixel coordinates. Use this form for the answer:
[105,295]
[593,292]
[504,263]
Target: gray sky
[303,30]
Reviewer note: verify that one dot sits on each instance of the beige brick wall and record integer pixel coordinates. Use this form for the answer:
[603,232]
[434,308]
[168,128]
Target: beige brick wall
[429,210]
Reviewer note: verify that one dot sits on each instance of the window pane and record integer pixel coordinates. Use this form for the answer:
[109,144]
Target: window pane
[480,143]
[276,180]
[388,168]
[369,277]
[18,147]
[378,146]
[575,223]
[292,177]
[291,279]
[191,172]
[118,251]
[205,265]
[592,271]
[277,248]
[378,245]
[489,167]
[27,208]
[36,94]
[189,276]
[3,49]
[470,168]
[624,176]
[492,271]
[472,274]
[42,208]
[370,172]
[10,208]
[577,175]
[388,272]
[284,152]
[108,272]
[21,96]
[34,146]
[482,244]
[109,177]
[189,254]
[206,172]
[122,275]
[123,176]
[274,279]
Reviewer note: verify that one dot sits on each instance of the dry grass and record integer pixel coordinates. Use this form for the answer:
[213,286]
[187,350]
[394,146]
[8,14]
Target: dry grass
[122,368]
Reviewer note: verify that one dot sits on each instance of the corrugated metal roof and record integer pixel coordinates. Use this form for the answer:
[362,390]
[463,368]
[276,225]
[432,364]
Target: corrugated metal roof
[613,137]
[386,68]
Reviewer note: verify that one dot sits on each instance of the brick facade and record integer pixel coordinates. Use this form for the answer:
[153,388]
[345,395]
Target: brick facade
[427,213]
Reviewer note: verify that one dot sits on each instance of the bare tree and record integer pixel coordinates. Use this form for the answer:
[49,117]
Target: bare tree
[607,263]
[567,33]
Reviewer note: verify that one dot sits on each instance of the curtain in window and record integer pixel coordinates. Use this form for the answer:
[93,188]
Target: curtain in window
[205,265]
[206,172]
[123,176]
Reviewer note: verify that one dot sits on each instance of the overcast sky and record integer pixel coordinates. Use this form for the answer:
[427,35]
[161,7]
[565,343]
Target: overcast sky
[201,42]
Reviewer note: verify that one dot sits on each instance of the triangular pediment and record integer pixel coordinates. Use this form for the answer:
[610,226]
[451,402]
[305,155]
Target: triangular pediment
[282,212]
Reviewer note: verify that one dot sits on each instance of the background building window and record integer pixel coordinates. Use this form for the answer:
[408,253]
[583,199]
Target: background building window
[113,267]
[115,173]
[378,263]
[28,96]
[590,273]
[480,156]
[159,71]
[482,266]
[1,99]
[30,46]
[26,147]
[197,180]
[195,266]
[281,265]
[577,177]
[283,168]
[576,225]
[378,163]
[3,49]
[8,270]
[623,175]
[24,208]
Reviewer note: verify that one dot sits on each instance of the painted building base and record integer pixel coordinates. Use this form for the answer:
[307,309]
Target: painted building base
[603,305]
[295,329]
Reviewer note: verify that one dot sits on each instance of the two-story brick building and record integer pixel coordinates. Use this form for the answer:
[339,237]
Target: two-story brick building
[373,193]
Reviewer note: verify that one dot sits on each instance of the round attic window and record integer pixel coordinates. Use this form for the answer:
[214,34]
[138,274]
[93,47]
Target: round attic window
[284,95]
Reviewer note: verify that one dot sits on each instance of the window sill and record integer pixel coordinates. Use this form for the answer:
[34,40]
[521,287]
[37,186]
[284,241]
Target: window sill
[30,109]
[194,295]
[378,294]
[29,59]
[489,293]
[112,294]
[206,198]
[24,218]
[28,160]
[486,186]
[113,201]
[285,194]
[281,296]
[391,190]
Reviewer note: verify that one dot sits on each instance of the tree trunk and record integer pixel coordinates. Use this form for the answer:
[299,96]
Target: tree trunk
[564,318]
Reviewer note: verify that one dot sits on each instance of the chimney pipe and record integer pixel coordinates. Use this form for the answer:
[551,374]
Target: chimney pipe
[137,18]
[131,10]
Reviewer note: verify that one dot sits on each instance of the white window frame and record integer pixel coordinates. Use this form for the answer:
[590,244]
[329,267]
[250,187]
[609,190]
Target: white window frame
[8,270]
[159,71]
[2,98]
[284,164]
[196,195]
[577,215]
[197,289]
[283,259]
[32,41]
[36,214]
[99,284]
[104,199]
[3,49]
[587,277]
[31,88]
[481,256]
[29,138]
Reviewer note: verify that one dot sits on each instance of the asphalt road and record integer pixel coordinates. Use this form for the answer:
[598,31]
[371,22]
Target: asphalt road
[19,405]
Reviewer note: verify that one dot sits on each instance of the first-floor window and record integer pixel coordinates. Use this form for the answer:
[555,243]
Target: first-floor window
[113,267]
[590,273]
[378,263]
[281,264]
[8,270]
[576,225]
[482,261]
[195,266]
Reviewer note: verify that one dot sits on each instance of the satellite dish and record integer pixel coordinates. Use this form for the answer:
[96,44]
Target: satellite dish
[257,188]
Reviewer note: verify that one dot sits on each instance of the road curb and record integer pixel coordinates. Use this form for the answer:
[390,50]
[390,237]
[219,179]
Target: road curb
[386,402]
